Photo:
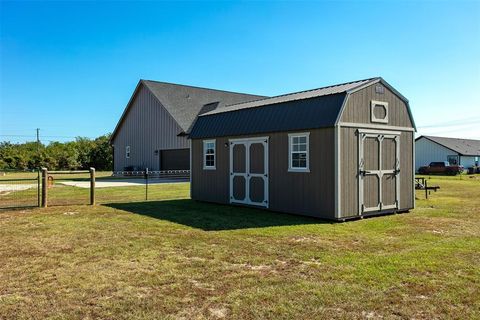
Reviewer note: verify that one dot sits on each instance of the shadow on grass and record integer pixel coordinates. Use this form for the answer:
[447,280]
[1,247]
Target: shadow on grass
[212,217]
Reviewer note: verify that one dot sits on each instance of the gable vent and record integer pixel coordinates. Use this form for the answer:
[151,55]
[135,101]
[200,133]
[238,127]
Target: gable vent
[379,89]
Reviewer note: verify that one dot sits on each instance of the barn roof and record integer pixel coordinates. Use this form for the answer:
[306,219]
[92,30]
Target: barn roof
[464,147]
[338,88]
[309,109]
[184,103]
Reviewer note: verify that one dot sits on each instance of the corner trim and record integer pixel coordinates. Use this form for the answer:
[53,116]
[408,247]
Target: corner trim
[338,173]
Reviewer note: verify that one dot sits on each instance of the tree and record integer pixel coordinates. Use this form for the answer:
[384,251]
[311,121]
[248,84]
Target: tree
[79,154]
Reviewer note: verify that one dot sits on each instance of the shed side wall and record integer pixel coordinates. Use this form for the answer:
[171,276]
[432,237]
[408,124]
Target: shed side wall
[147,127]
[293,192]
[349,171]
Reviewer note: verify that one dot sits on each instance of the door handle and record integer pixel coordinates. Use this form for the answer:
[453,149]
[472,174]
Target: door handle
[364,172]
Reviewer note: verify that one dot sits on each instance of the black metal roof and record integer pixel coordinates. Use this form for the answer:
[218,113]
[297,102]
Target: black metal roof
[337,88]
[309,113]
[310,109]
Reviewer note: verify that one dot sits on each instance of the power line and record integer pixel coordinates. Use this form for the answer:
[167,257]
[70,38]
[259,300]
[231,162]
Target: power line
[453,123]
[33,136]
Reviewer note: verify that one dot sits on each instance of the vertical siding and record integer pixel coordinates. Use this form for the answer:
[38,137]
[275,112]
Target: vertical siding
[468,161]
[293,192]
[349,172]
[357,109]
[427,151]
[406,171]
[147,127]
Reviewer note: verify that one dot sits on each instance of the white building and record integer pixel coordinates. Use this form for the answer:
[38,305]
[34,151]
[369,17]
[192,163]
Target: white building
[465,152]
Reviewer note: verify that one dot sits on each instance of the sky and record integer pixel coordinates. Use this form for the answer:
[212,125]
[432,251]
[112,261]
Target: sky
[69,68]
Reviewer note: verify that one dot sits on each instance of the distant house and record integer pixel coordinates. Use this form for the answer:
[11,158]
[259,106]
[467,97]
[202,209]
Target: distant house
[337,152]
[152,131]
[465,152]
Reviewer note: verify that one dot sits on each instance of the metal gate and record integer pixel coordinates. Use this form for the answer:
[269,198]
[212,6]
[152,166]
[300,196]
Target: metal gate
[378,168]
[249,171]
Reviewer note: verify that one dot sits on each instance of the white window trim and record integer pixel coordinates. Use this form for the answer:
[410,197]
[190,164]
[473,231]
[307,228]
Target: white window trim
[372,111]
[214,167]
[290,139]
[127,152]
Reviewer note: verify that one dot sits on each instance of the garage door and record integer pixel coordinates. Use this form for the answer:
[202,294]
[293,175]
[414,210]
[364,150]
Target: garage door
[175,159]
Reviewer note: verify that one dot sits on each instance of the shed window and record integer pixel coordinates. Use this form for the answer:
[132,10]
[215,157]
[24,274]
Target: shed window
[379,111]
[127,152]
[209,154]
[298,149]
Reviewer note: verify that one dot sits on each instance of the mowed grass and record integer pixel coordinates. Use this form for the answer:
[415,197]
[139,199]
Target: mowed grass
[175,258]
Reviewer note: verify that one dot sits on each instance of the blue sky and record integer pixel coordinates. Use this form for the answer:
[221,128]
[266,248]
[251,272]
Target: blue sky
[69,68]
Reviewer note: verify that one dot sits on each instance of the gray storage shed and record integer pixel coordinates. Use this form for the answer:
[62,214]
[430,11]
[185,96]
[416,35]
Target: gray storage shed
[151,132]
[337,152]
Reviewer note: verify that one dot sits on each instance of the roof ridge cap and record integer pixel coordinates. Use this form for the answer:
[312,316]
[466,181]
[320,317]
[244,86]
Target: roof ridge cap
[202,88]
[303,91]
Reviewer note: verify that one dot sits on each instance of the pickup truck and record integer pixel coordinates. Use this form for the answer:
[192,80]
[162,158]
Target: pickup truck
[442,167]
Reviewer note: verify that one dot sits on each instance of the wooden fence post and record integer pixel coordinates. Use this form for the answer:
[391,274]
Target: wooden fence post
[92,186]
[44,187]
[39,183]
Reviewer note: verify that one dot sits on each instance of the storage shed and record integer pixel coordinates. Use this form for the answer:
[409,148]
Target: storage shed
[337,152]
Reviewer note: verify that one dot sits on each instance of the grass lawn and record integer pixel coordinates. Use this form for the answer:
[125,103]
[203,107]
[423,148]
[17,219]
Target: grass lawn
[178,259]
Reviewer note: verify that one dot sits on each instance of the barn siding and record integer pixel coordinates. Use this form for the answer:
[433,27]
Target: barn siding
[357,108]
[147,127]
[294,192]
[349,171]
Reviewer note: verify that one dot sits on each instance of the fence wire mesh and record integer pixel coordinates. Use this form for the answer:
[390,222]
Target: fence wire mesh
[136,186]
[67,189]
[19,189]
[74,188]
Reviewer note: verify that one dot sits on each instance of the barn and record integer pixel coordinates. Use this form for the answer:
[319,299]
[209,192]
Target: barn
[337,152]
[464,152]
[152,131]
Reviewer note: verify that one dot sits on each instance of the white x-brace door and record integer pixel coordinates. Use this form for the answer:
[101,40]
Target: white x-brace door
[378,170]
[249,171]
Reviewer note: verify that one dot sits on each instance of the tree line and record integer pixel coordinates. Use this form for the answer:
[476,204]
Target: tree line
[82,153]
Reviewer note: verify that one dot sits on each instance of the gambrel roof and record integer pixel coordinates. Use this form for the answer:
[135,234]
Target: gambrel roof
[464,147]
[311,109]
[339,88]
[184,103]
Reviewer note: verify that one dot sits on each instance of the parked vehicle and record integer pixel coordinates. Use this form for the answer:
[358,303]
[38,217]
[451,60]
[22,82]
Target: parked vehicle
[442,167]
[475,169]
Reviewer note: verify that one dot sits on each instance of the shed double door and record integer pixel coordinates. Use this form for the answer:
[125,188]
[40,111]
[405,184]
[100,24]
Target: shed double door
[249,171]
[378,170]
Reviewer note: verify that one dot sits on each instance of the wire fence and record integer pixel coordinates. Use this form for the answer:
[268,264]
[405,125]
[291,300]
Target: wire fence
[19,190]
[60,188]
[143,185]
